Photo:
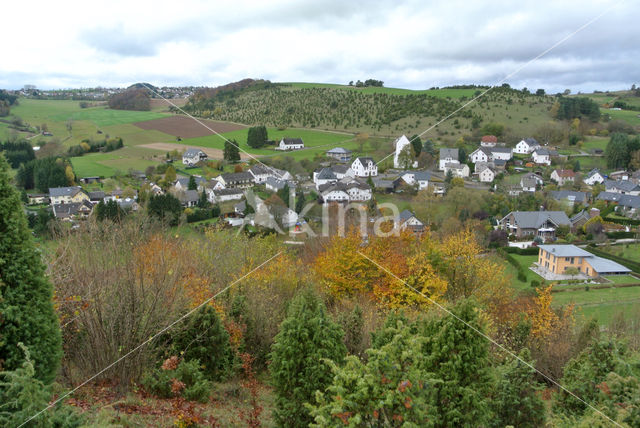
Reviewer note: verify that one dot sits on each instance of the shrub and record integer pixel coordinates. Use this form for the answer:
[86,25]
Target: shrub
[205,339]
[535,283]
[193,384]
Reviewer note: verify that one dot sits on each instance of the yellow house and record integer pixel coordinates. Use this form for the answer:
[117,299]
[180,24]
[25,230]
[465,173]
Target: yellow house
[558,259]
[67,195]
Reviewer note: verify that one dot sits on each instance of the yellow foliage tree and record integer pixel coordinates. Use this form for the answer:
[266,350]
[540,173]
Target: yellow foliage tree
[71,177]
[346,269]
[543,318]
[469,271]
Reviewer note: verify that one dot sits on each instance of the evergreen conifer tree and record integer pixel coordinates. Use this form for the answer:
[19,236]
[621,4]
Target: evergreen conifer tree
[26,297]
[306,337]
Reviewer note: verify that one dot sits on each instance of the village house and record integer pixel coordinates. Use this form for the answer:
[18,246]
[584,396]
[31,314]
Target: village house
[624,187]
[273,184]
[490,154]
[67,195]
[182,184]
[290,144]
[72,210]
[364,167]
[324,176]
[97,196]
[486,175]
[419,178]
[241,180]
[408,221]
[531,224]
[526,146]
[191,157]
[563,176]
[489,141]
[188,198]
[216,196]
[447,156]
[340,154]
[261,172]
[629,206]
[619,175]
[558,259]
[457,169]
[347,190]
[541,156]
[593,177]
[571,197]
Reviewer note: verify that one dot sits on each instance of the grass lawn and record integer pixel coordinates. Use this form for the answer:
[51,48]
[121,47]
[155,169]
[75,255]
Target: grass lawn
[402,201]
[602,304]
[622,279]
[595,143]
[108,164]
[629,116]
[589,162]
[628,251]
[105,117]
[323,140]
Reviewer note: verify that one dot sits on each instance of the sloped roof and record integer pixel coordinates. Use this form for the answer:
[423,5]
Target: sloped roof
[364,159]
[565,250]
[237,177]
[489,139]
[565,173]
[339,151]
[64,191]
[292,141]
[326,174]
[535,219]
[532,142]
[449,153]
[500,150]
[191,152]
[622,185]
[604,266]
[568,194]
[275,183]
[629,201]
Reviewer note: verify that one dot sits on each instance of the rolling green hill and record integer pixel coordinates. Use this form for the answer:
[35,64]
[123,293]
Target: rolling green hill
[375,110]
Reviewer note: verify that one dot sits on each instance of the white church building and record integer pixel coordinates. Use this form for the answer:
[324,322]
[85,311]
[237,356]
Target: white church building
[400,143]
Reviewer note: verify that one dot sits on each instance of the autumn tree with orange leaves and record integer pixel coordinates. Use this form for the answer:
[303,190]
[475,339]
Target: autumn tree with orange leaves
[348,268]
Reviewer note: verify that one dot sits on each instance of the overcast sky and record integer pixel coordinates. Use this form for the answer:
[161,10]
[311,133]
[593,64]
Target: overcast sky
[410,44]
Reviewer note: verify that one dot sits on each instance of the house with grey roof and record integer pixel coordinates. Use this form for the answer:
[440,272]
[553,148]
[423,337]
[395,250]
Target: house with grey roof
[408,221]
[324,176]
[364,166]
[67,195]
[417,178]
[558,260]
[290,144]
[530,182]
[340,154]
[273,184]
[593,177]
[624,187]
[447,156]
[570,196]
[192,156]
[73,210]
[531,224]
[526,146]
[241,180]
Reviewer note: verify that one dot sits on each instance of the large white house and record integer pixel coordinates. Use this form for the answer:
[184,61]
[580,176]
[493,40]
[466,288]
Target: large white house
[364,167]
[563,176]
[419,178]
[526,146]
[541,156]
[347,190]
[447,156]
[192,156]
[400,144]
[593,177]
[486,175]
[290,144]
[490,154]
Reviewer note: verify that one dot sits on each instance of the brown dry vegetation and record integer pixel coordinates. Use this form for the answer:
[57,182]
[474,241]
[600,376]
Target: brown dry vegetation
[185,127]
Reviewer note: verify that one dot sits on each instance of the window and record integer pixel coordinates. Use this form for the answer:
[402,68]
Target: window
[572,260]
